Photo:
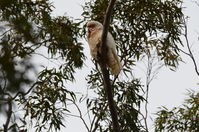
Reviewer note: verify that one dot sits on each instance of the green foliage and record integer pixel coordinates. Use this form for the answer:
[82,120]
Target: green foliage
[128,99]
[26,27]
[139,27]
[29,26]
[30,21]
[47,105]
[183,119]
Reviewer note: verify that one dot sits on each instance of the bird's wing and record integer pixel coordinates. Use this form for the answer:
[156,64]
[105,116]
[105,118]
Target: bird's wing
[113,62]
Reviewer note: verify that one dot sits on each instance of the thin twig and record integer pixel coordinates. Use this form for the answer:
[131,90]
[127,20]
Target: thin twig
[92,123]
[21,93]
[148,81]
[196,2]
[189,49]
[150,75]
[80,114]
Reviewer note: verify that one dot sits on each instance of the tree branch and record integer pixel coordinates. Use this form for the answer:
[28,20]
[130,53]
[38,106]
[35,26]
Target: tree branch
[80,114]
[23,94]
[9,114]
[105,72]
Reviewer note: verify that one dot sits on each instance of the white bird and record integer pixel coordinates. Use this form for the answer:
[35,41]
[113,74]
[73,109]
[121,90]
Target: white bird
[94,40]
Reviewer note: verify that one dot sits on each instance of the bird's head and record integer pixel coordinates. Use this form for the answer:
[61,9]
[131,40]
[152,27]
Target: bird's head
[94,26]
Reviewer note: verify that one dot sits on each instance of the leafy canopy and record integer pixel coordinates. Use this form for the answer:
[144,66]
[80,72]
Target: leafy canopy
[27,27]
[184,118]
[139,27]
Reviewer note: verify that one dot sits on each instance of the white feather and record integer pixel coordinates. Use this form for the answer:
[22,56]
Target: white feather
[94,39]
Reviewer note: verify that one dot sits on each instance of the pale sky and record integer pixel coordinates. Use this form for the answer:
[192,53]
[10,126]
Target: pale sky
[168,89]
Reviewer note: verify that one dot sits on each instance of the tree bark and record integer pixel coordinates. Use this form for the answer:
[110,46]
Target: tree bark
[105,72]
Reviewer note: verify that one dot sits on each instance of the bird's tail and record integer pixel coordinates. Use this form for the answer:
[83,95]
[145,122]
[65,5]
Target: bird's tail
[114,62]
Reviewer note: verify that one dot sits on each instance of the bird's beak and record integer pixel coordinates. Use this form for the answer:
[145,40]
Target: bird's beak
[89,31]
